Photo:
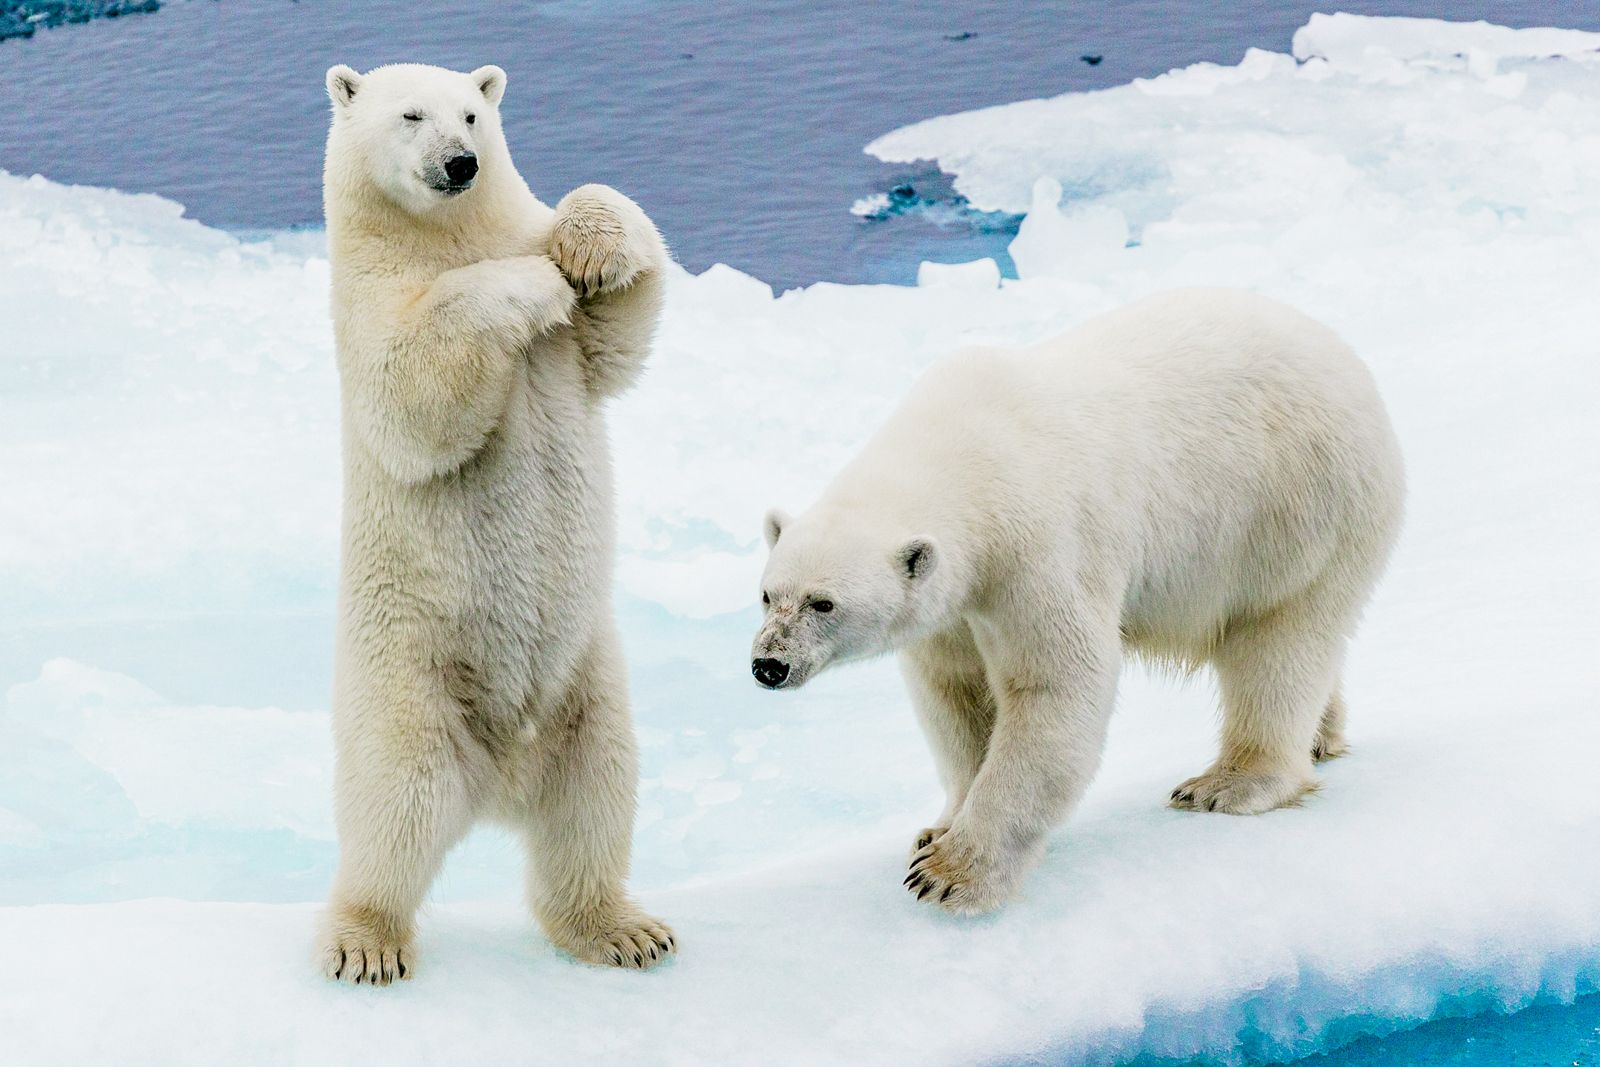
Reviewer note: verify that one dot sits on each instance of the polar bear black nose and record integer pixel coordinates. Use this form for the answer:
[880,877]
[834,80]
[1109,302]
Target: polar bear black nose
[462,168]
[770,672]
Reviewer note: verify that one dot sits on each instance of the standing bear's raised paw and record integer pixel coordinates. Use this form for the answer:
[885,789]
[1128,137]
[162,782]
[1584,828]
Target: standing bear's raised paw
[362,946]
[602,241]
[629,938]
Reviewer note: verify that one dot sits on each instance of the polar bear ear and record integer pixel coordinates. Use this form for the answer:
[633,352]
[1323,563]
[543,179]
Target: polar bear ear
[343,84]
[918,557]
[774,524]
[491,82]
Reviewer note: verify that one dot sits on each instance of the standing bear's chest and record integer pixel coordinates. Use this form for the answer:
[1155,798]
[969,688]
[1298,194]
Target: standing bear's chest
[535,509]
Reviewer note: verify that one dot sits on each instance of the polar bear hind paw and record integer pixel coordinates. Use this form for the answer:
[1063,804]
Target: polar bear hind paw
[1329,746]
[1240,792]
[635,942]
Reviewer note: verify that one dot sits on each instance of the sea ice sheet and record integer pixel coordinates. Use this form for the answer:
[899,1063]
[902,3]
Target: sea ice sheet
[170,442]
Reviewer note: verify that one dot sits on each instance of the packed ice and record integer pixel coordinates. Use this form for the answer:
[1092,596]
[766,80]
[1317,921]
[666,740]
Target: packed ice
[170,473]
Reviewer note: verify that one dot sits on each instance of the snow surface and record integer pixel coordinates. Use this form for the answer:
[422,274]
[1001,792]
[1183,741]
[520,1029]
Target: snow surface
[170,479]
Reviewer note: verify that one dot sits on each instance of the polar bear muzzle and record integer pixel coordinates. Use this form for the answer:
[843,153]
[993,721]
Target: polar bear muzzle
[461,170]
[769,672]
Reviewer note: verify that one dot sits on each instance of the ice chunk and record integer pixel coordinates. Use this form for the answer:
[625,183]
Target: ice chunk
[1354,42]
[977,274]
[875,206]
[1066,244]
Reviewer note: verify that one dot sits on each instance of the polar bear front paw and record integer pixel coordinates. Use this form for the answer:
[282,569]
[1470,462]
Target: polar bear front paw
[1240,792]
[958,877]
[361,946]
[601,240]
[539,293]
[632,940]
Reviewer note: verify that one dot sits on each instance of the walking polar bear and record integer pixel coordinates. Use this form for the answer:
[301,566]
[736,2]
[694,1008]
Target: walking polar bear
[1203,477]
[477,671]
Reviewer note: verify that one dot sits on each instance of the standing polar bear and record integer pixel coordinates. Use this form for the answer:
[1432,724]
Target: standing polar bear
[477,673]
[1203,477]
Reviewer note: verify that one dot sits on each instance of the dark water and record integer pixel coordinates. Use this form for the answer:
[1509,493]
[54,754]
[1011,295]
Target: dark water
[738,126]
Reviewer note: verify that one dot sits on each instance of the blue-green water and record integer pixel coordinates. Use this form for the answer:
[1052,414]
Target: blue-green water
[1542,1036]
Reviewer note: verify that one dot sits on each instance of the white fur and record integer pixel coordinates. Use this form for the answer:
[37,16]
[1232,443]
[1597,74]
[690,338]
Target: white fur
[478,674]
[1205,477]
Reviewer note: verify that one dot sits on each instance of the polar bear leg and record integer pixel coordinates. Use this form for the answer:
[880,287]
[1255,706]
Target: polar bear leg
[579,826]
[615,328]
[951,694]
[614,257]
[1278,677]
[1054,673]
[403,800]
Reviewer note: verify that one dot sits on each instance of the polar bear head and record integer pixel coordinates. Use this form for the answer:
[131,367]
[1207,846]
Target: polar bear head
[837,588]
[422,137]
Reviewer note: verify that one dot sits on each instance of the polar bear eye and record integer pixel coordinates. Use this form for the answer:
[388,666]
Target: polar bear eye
[823,606]
[471,118]
[765,599]
[412,116]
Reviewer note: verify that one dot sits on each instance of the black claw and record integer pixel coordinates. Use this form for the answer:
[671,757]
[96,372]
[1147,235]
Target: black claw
[925,890]
[616,957]
[638,960]
[402,970]
[946,894]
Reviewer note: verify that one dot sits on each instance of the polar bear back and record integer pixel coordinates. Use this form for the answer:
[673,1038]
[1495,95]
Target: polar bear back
[1213,451]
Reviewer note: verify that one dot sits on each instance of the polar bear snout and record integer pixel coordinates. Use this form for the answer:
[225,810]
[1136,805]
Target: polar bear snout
[461,169]
[769,672]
